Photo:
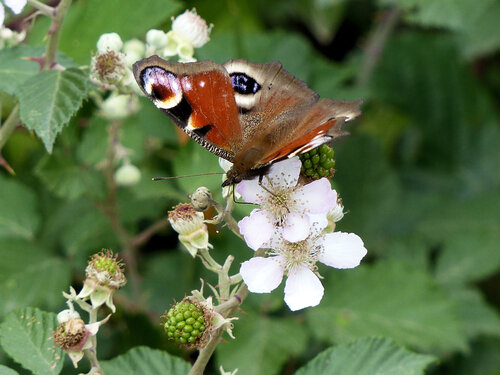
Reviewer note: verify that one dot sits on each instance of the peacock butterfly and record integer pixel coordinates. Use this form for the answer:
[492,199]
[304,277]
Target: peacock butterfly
[248,113]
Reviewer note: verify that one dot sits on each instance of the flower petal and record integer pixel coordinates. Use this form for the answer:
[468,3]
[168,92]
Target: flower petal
[317,197]
[251,191]
[284,174]
[296,227]
[342,250]
[225,164]
[16,5]
[262,275]
[257,228]
[318,223]
[302,288]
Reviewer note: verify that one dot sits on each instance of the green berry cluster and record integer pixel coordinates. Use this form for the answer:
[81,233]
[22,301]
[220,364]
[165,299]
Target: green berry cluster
[318,162]
[106,261]
[185,323]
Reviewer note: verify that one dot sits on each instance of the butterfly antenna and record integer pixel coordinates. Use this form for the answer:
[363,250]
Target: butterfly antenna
[187,175]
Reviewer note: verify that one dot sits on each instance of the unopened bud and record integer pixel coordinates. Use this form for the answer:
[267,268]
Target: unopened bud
[201,199]
[109,42]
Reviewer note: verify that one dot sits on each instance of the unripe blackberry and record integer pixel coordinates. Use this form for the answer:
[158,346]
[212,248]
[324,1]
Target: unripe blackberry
[185,323]
[318,162]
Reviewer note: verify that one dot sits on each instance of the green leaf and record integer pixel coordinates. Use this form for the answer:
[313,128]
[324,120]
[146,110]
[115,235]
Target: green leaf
[388,299]
[7,371]
[262,345]
[15,69]
[97,17]
[469,241]
[481,35]
[468,256]
[434,78]
[18,216]
[483,359]
[182,276]
[368,356]
[67,179]
[26,335]
[88,232]
[49,99]
[92,149]
[474,21]
[145,361]
[478,317]
[29,276]
[367,185]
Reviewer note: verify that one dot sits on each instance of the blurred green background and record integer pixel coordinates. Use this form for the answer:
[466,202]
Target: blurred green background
[419,175]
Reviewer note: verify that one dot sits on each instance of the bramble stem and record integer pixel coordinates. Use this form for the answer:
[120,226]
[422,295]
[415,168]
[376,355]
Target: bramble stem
[55,34]
[226,309]
[45,9]
[9,125]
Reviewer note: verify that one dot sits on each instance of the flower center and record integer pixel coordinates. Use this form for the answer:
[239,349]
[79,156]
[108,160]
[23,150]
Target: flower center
[278,203]
[302,252]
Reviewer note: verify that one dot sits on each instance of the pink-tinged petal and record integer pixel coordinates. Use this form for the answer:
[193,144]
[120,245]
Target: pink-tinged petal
[296,227]
[284,174]
[16,5]
[342,250]
[318,223]
[262,275]
[257,228]
[302,288]
[251,191]
[317,197]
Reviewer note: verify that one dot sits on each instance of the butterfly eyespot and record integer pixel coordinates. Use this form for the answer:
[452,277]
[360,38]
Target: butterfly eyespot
[163,86]
[244,84]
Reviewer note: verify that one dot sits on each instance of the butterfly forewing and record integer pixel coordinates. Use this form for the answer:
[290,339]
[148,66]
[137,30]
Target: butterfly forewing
[198,97]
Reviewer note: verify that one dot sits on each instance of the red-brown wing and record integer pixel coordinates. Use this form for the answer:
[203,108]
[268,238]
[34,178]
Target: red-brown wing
[198,97]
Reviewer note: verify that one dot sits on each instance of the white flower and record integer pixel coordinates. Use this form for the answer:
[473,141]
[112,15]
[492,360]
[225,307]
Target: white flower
[189,31]
[284,204]
[156,38]
[15,5]
[298,260]
[191,27]
[109,42]
[134,50]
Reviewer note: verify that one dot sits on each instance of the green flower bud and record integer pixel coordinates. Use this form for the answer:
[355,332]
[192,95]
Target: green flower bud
[127,175]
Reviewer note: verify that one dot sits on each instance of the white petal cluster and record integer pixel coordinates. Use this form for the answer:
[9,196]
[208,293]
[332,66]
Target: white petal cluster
[292,222]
